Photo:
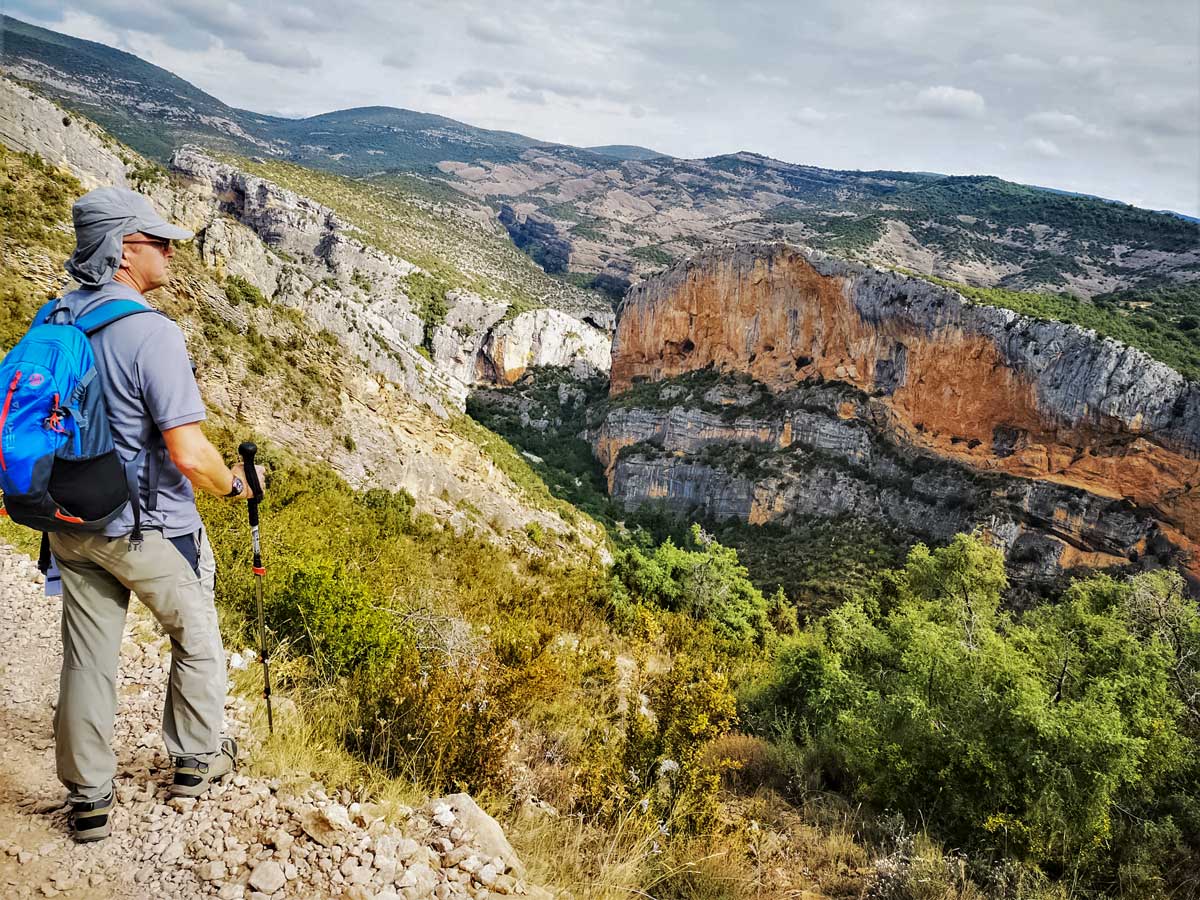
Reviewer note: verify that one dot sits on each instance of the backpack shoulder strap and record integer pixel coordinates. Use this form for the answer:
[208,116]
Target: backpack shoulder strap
[112,311]
[44,311]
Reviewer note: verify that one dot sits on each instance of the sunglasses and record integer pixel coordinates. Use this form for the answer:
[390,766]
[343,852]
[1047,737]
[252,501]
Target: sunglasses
[163,244]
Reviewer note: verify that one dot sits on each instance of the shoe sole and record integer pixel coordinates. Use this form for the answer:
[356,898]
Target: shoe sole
[93,834]
[96,832]
[185,790]
[208,779]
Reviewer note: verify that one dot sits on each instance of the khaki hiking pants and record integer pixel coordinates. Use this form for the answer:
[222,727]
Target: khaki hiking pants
[98,574]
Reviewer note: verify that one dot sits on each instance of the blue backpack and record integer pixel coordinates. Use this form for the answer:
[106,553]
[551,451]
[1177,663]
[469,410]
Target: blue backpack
[59,468]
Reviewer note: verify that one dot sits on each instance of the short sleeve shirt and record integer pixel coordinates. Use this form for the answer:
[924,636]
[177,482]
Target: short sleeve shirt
[149,386]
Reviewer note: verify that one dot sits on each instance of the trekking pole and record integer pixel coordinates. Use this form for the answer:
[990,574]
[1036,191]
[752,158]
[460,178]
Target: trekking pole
[247,451]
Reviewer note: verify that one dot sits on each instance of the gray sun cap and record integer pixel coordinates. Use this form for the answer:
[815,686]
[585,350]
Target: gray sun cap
[103,217]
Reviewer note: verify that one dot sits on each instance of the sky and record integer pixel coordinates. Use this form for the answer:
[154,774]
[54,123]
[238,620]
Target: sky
[1096,96]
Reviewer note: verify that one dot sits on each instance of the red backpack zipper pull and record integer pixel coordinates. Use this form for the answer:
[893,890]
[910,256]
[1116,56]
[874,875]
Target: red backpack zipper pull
[12,389]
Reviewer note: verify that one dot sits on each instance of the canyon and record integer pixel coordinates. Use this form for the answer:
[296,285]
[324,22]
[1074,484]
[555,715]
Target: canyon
[767,380]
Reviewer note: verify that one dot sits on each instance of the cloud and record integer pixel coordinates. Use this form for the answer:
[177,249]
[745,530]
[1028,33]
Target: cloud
[397,59]
[574,89]
[527,95]
[439,89]
[475,81]
[768,80]
[1062,123]
[806,115]
[489,31]
[945,102]
[1170,118]
[1086,64]
[195,25]
[1019,62]
[283,57]
[1044,147]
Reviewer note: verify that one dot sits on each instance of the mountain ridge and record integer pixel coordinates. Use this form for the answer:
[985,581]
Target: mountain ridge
[624,152]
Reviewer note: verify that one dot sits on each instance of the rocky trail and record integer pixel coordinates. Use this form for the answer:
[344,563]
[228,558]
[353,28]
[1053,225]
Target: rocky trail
[249,838]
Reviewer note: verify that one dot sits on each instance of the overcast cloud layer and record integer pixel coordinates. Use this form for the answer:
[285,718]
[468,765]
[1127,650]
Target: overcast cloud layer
[1087,95]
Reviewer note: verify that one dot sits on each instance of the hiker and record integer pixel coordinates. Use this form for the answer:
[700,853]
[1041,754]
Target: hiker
[158,551]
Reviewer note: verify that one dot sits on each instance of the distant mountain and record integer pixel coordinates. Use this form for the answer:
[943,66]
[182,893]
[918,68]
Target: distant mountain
[1165,212]
[155,112]
[626,151]
[624,211]
[145,105]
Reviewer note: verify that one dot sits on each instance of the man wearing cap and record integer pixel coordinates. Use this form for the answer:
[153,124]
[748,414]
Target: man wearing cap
[123,249]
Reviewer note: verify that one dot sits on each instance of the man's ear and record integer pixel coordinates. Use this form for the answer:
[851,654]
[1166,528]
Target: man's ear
[126,256]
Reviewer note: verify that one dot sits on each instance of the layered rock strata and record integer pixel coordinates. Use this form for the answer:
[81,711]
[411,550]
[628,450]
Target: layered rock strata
[303,254]
[1100,444]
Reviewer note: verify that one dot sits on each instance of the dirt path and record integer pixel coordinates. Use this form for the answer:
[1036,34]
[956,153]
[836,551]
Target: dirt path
[37,857]
[247,840]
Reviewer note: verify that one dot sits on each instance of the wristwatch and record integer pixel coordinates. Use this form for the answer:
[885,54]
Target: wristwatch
[236,490]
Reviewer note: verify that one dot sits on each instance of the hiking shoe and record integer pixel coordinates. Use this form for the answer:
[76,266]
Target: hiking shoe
[192,776]
[91,821]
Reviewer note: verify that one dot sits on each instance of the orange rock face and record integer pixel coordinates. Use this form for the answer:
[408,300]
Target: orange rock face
[774,317]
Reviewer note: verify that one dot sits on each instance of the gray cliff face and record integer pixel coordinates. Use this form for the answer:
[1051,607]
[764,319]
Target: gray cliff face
[33,125]
[538,237]
[313,260]
[805,454]
[308,258]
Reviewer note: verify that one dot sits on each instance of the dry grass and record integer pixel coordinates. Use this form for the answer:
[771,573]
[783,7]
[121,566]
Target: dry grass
[308,746]
[584,859]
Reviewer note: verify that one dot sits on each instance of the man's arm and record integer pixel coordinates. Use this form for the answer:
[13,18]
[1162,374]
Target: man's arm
[201,462]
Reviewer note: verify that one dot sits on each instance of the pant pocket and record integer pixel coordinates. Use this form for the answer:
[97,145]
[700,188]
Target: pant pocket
[188,546]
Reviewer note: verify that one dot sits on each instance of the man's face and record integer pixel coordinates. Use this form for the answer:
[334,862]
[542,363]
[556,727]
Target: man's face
[147,257]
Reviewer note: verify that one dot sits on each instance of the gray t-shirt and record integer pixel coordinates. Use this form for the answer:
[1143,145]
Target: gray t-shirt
[149,386]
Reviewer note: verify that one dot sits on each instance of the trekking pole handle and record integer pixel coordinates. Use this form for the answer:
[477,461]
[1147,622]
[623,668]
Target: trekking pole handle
[247,451]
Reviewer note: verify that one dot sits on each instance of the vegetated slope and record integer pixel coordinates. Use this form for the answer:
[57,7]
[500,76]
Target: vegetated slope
[453,239]
[263,363]
[978,229]
[762,382]
[368,139]
[625,151]
[149,108]
[639,210]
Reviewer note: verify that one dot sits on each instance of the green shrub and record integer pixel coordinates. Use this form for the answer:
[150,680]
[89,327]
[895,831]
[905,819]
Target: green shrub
[707,584]
[239,290]
[1041,733]
[327,614]
[428,295]
[35,215]
[448,720]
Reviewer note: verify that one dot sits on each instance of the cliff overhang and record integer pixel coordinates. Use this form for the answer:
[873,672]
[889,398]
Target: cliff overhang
[977,386]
